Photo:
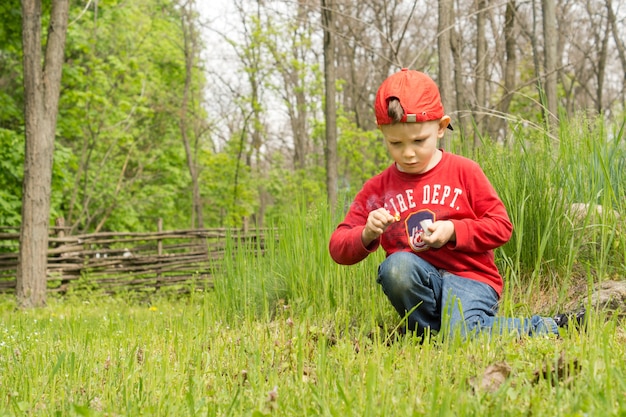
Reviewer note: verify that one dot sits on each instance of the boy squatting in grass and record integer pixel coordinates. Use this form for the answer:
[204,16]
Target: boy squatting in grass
[446,262]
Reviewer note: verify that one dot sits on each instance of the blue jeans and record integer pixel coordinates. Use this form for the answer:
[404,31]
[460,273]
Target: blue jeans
[436,299]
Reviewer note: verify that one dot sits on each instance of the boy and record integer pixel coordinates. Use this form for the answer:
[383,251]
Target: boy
[436,216]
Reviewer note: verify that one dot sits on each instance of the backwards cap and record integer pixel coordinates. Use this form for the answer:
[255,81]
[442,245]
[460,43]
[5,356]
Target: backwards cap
[418,95]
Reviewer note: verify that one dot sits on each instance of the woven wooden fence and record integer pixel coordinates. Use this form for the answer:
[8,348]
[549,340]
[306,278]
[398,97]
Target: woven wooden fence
[113,262]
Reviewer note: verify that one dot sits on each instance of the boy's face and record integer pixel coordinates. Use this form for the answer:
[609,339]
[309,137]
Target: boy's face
[413,146]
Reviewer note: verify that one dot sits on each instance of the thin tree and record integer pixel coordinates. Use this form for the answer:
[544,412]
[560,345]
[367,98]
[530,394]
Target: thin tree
[446,89]
[510,67]
[290,50]
[481,70]
[42,85]
[330,108]
[601,38]
[462,94]
[550,63]
[190,40]
[250,52]
[619,44]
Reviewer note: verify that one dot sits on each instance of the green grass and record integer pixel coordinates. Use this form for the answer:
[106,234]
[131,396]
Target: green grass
[185,357]
[290,333]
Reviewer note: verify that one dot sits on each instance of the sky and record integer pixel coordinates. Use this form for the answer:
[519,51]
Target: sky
[215,12]
[220,58]
[215,15]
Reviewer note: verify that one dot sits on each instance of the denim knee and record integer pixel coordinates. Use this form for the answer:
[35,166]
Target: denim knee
[408,279]
[396,273]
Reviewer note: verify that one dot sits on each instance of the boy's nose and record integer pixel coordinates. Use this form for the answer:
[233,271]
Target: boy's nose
[408,153]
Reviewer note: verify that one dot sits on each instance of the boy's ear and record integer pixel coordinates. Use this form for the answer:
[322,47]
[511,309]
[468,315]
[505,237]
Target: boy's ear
[444,122]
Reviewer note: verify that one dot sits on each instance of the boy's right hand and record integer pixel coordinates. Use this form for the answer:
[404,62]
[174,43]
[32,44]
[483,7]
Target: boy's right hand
[377,222]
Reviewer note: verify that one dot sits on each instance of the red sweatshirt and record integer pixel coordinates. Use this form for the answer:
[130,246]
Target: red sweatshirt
[455,189]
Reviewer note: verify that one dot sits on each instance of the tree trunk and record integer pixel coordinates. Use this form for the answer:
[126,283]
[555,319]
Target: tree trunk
[330,107]
[189,51]
[42,84]
[601,63]
[462,100]
[300,115]
[481,71]
[619,44]
[446,89]
[510,67]
[536,63]
[550,63]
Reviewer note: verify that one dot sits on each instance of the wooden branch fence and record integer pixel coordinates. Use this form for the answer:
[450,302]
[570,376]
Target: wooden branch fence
[112,262]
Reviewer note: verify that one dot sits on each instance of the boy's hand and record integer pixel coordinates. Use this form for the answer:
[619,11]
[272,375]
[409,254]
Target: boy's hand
[441,232]
[377,222]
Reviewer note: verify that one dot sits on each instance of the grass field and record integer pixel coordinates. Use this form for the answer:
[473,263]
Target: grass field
[190,357]
[290,333]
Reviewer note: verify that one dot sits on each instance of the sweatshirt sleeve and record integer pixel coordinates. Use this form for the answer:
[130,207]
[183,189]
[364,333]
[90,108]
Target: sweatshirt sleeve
[346,246]
[491,227]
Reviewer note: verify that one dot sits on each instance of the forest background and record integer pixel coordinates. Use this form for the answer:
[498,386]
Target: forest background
[151,117]
[157,120]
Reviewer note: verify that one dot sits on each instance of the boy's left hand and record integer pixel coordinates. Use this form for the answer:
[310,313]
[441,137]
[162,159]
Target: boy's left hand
[441,232]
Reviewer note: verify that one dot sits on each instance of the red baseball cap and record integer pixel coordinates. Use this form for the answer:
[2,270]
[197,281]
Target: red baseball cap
[418,95]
